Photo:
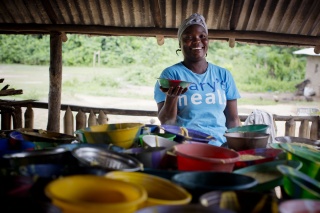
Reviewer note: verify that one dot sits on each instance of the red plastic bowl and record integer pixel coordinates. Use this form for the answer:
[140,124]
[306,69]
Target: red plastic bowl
[205,157]
[269,154]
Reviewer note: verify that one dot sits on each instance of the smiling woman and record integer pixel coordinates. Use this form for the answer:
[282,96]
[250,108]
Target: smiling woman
[209,104]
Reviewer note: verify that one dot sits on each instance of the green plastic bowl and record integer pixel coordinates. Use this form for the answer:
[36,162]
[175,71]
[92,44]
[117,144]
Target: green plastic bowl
[167,83]
[261,128]
[267,174]
[299,185]
[310,159]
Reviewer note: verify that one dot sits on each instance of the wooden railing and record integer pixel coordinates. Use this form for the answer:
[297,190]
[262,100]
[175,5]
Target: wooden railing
[88,116]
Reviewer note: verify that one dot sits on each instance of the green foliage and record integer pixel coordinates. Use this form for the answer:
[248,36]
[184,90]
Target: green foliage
[255,68]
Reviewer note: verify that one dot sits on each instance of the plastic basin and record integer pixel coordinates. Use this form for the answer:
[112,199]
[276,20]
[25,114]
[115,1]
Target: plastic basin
[100,157]
[240,201]
[150,157]
[94,194]
[163,173]
[260,128]
[119,134]
[198,183]
[267,154]
[299,206]
[157,141]
[167,136]
[167,83]
[189,208]
[240,141]
[204,157]
[191,135]
[299,185]
[160,191]
[310,159]
[267,174]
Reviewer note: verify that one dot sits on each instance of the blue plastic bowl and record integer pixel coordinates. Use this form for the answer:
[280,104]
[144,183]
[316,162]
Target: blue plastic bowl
[17,142]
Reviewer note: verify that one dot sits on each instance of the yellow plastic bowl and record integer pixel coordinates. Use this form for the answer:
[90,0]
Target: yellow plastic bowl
[95,194]
[119,134]
[160,191]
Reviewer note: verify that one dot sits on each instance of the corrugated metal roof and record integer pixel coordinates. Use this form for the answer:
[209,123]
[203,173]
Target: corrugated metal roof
[279,22]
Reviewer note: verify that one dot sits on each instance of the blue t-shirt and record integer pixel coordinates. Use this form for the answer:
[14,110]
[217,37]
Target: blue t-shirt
[201,107]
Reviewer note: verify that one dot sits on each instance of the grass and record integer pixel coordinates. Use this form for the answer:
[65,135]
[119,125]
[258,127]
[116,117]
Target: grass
[34,80]
[92,81]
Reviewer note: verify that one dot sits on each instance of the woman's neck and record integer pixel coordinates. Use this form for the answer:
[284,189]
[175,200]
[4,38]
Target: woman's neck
[198,67]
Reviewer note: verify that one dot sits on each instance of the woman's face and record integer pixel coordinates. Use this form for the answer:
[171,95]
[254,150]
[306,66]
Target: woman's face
[194,43]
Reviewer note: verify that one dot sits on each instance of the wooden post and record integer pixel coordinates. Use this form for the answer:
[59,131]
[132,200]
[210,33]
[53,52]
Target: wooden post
[304,130]
[290,127]
[92,121]
[81,120]
[17,117]
[314,129]
[102,118]
[28,117]
[6,119]
[68,122]
[55,72]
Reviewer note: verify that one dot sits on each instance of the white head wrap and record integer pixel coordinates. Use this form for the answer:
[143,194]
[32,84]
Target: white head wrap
[193,19]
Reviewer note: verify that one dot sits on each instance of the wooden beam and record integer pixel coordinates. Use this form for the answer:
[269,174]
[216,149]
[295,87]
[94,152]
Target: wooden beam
[317,49]
[87,109]
[290,39]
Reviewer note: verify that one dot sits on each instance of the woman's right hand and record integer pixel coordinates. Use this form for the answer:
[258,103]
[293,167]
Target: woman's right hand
[174,91]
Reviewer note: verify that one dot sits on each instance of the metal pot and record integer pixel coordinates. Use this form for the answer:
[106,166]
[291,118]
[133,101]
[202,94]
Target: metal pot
[106,159]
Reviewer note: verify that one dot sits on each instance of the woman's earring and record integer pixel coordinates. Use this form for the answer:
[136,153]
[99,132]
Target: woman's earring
[206,54]
[178,51]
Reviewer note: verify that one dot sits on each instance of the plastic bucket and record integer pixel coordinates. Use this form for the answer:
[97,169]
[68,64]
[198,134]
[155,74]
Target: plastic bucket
[205,157]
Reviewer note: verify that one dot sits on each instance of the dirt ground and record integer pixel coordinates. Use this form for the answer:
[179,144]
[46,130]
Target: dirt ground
[286,104]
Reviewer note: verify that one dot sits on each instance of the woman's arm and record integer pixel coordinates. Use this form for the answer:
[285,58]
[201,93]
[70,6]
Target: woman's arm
[231,113]
[168,110]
